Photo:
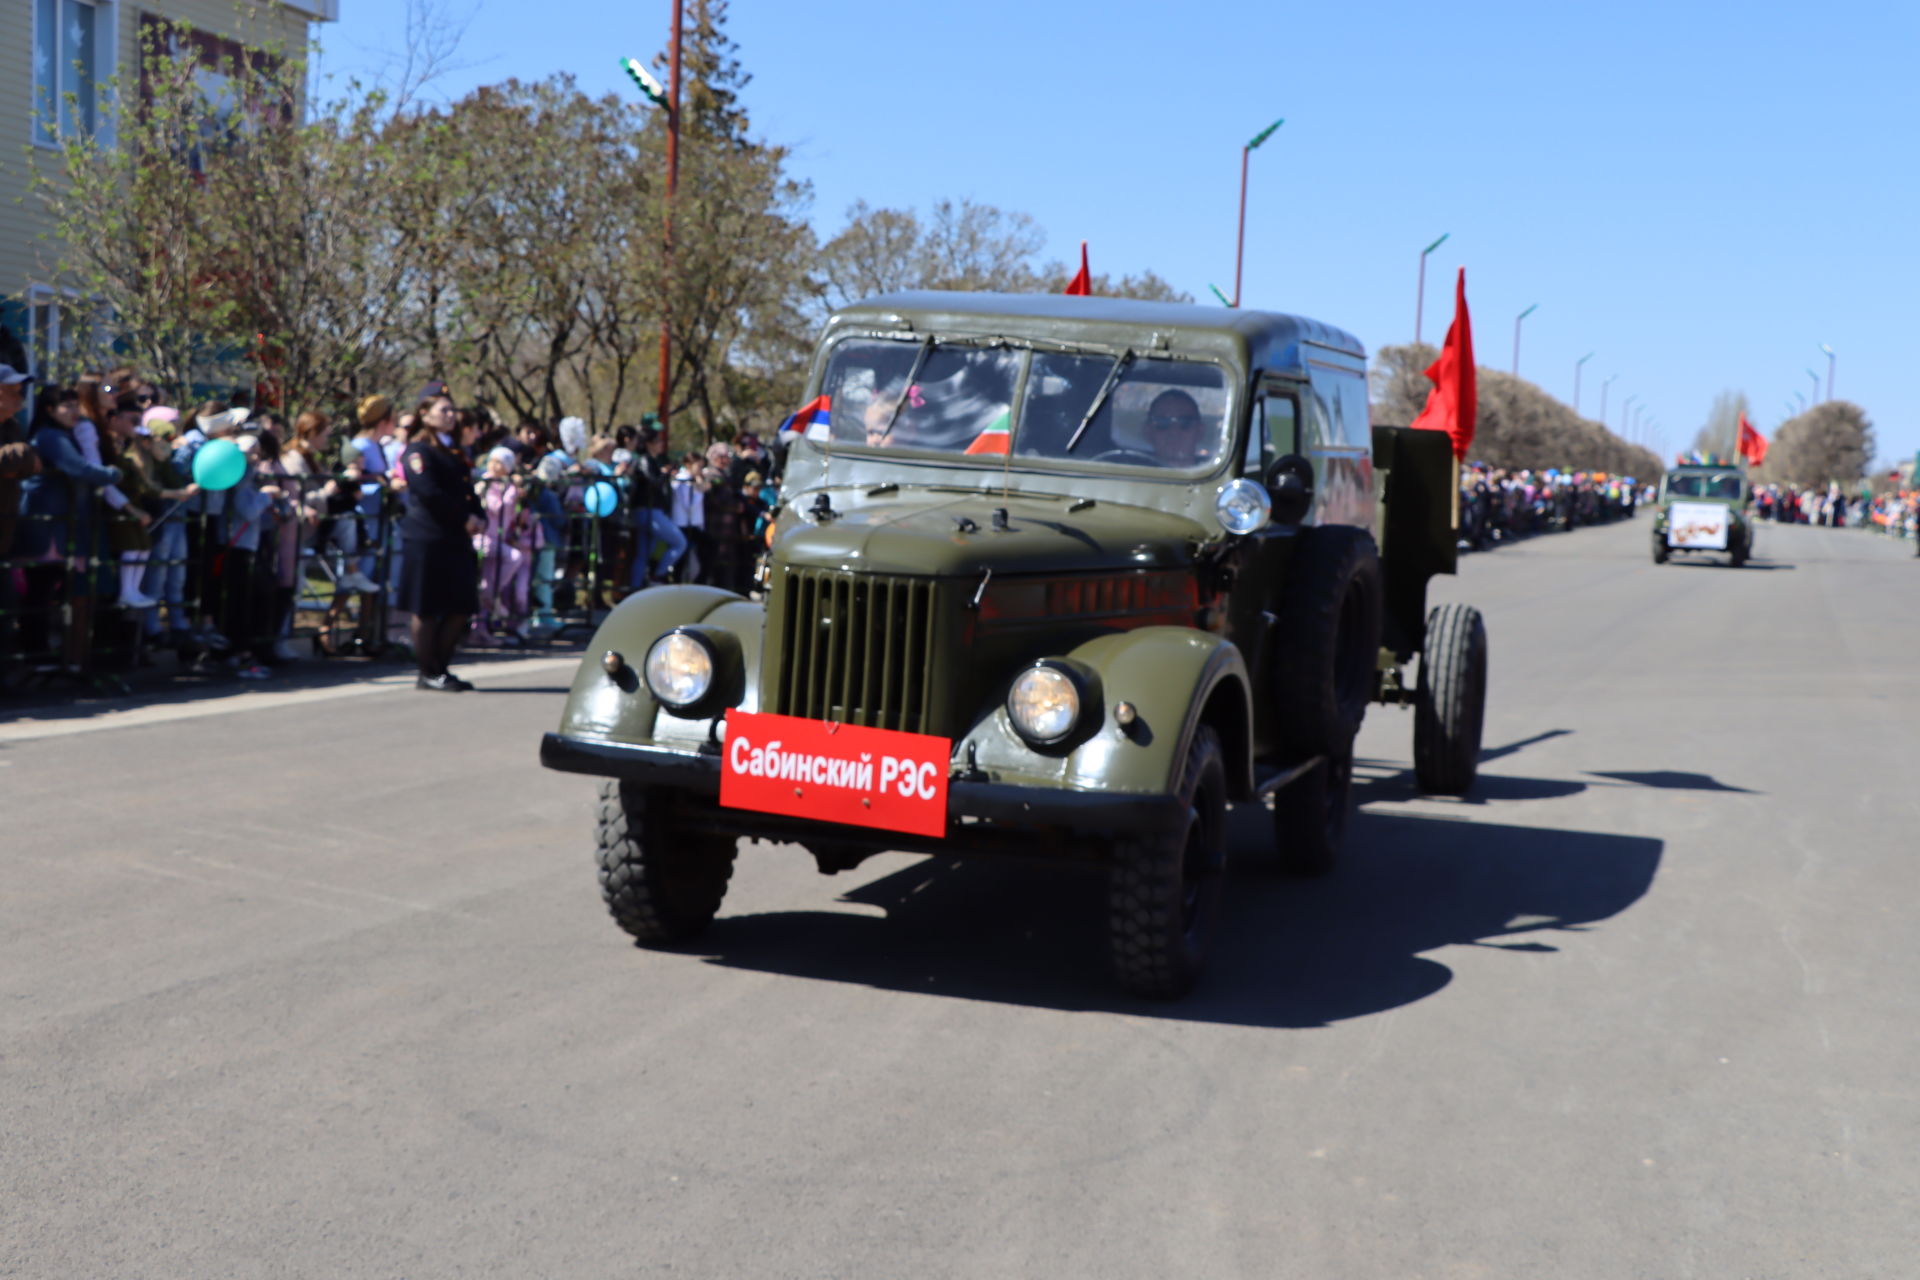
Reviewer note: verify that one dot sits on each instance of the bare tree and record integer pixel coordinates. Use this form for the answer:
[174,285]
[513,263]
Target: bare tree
[1517,425]
[1833,441]
[1721,432]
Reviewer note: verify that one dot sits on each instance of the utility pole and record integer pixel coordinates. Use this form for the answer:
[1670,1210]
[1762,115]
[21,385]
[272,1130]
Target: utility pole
[1240,246]
[1516,336]
[1420,290]
[667,98]
[673,178]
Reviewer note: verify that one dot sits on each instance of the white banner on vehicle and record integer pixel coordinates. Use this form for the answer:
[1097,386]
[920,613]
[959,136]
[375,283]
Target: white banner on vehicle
[1698,525]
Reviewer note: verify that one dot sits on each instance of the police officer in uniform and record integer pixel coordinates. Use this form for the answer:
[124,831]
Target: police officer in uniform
[439,584]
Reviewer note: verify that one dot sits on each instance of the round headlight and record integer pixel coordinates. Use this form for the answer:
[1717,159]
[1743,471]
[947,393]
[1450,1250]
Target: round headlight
[679,670]
[1044,705]
[1242,506]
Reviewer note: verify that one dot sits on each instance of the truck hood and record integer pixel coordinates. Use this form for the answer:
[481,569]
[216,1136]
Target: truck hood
[923,533]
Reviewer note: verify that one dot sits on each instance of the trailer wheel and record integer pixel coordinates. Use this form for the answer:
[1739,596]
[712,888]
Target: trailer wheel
[1451,700]
[1164,892]
[1660,550]
[661,885]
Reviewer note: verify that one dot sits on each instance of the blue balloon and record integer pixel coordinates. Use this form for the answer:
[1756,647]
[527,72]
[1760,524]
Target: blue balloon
[218,464]
[601,498]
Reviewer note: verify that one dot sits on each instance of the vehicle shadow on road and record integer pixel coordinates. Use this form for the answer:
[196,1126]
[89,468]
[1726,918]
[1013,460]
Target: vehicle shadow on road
[1749,567]
[1293,953]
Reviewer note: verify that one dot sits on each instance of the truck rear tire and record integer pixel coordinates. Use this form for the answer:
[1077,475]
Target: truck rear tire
[1310,817]
[1450,701]
[1164,892]
[1327,659]
[661,885]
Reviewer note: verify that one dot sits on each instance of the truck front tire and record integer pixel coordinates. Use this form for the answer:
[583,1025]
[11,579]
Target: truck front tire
[1164,892]
[1327,661]
[1310,817]
[661,885]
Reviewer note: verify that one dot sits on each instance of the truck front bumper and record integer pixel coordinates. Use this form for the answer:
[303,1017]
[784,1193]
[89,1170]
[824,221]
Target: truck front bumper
[974,807]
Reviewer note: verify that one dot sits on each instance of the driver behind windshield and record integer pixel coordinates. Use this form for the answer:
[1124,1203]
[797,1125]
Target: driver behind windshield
[1177,432]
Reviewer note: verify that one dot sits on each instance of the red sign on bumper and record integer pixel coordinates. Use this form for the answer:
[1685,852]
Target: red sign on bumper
[836,772]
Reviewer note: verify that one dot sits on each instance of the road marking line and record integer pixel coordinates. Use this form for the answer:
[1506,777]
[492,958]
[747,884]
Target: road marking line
[255,700]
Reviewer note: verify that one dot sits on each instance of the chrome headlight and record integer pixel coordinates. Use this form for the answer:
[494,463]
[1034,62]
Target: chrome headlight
[1044,705]
[1242,506]
[679,669]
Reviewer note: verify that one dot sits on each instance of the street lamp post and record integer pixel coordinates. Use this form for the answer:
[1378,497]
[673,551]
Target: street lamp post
[1816,387]
[1604,384]
[1516,336]
[1576,381]
[1830,362]
[1240,246]
[1626,410]
[1420,291]
[667,98]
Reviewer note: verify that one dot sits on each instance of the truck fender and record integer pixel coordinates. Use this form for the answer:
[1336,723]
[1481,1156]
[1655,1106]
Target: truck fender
[1176,679]
[601,706]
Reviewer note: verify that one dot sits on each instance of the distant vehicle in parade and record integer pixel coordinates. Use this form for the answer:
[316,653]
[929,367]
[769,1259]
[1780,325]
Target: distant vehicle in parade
[1704,510]
[1054,576]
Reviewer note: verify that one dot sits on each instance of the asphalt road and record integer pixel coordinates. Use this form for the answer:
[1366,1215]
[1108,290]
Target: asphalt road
[319,985]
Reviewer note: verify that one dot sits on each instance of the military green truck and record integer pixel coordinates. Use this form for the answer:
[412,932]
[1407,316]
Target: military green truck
[1704,510]
[1055,576]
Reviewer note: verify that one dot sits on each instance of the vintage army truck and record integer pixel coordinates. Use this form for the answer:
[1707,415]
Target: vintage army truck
[1704,509]
[1054,576]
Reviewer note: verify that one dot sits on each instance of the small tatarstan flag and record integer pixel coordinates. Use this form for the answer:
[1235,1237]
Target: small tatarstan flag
[995,439]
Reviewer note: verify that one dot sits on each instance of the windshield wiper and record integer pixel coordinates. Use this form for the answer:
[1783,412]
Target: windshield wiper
[1120,362]
[906,392]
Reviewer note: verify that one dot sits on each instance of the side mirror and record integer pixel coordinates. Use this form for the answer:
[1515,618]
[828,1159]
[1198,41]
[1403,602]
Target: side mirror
[1290,481]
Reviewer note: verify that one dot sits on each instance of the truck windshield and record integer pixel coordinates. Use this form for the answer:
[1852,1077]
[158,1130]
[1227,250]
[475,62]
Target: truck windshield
[1695,484]
[1162,413]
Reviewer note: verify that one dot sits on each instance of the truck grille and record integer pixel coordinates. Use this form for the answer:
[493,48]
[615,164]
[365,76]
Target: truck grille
[856,649]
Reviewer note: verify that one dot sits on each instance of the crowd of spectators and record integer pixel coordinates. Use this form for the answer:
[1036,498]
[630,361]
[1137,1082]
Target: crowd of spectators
[1828,506]
[438,520]
[1499,505]
[1896,512]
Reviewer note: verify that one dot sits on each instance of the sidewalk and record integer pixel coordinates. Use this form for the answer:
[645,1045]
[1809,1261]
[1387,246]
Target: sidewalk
[160,696]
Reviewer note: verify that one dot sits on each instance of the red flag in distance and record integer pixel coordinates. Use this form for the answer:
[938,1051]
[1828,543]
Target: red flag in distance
[1751,445]
[1081,285]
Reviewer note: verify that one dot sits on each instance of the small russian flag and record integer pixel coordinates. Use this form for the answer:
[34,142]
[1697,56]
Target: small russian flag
[812,419]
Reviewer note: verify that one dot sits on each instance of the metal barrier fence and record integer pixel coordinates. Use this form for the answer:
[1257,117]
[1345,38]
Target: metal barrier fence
[316,568]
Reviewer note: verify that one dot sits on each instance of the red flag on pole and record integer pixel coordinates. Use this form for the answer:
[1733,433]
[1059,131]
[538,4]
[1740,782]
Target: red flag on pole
[1081,285]
[1455,400]
[1751,445]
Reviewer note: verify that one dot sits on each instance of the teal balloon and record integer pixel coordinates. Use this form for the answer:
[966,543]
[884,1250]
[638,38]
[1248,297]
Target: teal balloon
[218,464]
[601,498]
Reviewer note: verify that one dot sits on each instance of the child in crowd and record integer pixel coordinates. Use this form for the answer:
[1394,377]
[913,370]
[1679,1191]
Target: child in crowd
[506,545]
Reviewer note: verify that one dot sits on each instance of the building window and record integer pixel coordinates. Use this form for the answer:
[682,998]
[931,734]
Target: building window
[70,44]
[65,336]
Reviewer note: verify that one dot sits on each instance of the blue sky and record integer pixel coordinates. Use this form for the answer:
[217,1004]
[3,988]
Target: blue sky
[1699,193]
